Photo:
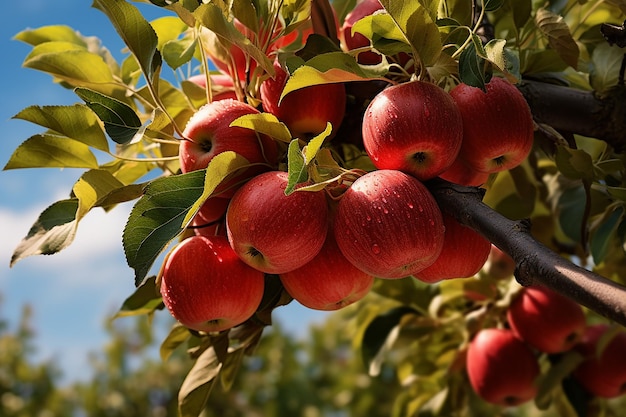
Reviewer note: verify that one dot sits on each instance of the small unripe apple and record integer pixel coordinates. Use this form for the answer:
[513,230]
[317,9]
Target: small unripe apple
[389,225]
[329,281]
[206,287]
[274,232]
[603,373]
[464,253]
[413,127]
[501,368]
[546,320]
[355,40]
[305,111]
[497,125]
[208,133]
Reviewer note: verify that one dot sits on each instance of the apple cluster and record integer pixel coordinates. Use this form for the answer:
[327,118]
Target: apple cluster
[503,364]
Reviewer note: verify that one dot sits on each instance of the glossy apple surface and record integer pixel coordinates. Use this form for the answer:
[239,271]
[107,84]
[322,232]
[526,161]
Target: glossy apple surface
[272,232]
[497,125]
[463,174]
[413,127]
[352,41]
[329,281]
[464,253]
[389,225]
[208,133]
[546,320]
[206,287]
[305,111]
[501,368]
[603,373]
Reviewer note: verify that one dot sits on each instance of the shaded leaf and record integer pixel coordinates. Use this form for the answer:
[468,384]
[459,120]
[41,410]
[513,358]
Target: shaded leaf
[559,37]
[574,163]
[145,300]
[472,66]
[552,380]
[120,121]
[606,61]
[51,151]
[76,121]
[177,336]
[197,386]
[53,231]
[602,239]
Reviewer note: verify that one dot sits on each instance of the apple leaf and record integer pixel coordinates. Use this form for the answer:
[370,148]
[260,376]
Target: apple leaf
[606,61]
[77,122]
[53,231]
[315,144]
[167,28]
[196,388]
[135,31]
[50,34]
[51,151]
[551,380]
[602,239]
[145,300]
[472,64]
[179,51]
[177,335]
[385,35]
[559,36]
[93,187]
[266,124]
[120,121]
[419,27]
[296,167]
[574,163]
[380,335]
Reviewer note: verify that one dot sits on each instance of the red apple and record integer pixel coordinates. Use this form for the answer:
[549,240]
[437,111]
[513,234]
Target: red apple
[464,253]
[222,85]
[305,111]
[501,368]
[208,133]
[497,125]
[461,173]
[274,232]
[329,281]
[389,225]
[603,373]
[546,320]
[212,210]
[352,41]
[207,287]
[413,127]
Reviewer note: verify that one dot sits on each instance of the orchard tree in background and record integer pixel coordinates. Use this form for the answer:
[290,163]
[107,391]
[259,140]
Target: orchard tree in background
[411,163]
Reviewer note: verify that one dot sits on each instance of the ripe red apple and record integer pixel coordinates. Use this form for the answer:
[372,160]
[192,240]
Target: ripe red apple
[305,111]
[461,173]
[329,281]
[413,127]
[207,287]
[389,225]
[213,209]
[546,320]
[222,85]
[603,373]
[464,253]
[352,41]
[497,125]
[501,368]
[274,232]
[208,133]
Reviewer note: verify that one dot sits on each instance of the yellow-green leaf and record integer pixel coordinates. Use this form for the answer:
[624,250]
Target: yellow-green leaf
[50,33]
[52,151]
[93,186]
[264,123]
[559,36]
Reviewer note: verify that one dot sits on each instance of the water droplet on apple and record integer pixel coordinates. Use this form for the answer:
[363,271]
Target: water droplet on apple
[426,112]
[410,205]
[384,200]
[385,210]
[375,249]
[368,218]
[420,208]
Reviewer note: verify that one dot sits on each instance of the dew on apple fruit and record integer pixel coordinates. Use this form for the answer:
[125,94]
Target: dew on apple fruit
[375,249]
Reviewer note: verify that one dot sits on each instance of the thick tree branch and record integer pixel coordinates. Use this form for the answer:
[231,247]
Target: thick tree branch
[536,264]
[576,111]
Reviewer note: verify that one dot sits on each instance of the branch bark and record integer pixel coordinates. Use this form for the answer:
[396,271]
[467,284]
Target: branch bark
[536,264]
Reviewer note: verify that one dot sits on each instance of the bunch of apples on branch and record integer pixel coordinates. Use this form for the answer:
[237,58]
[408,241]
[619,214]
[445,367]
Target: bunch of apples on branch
[297,159]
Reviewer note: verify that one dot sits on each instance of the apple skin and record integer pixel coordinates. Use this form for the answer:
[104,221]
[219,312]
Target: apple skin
[223,82]
[464,253]
[329,281]
[461,173]
[206,287]
[389,225]
[501,368]
[497,125]
[305,111]
[272,232]
[605,375]
[546,320]
[208,133]
[413,127]
[352,41]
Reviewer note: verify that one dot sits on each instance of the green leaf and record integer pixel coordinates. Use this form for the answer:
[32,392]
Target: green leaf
[135,31]
[418,25]
[53,231]
[380,335]
[315,144]
[495,53]
[296,167]
[606,61]
[230,367]
[178,335]
[551,380]
[197,386]
[472,67]
[574,163]
[145,300]
[178,52]
[92,187]
[559,37]
[266,124]
[51,34]
[602,239]
[76,122]
[167,28]
[51,151]
[120,121]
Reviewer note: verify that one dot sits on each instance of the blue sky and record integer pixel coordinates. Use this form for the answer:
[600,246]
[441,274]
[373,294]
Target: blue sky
[76,290]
